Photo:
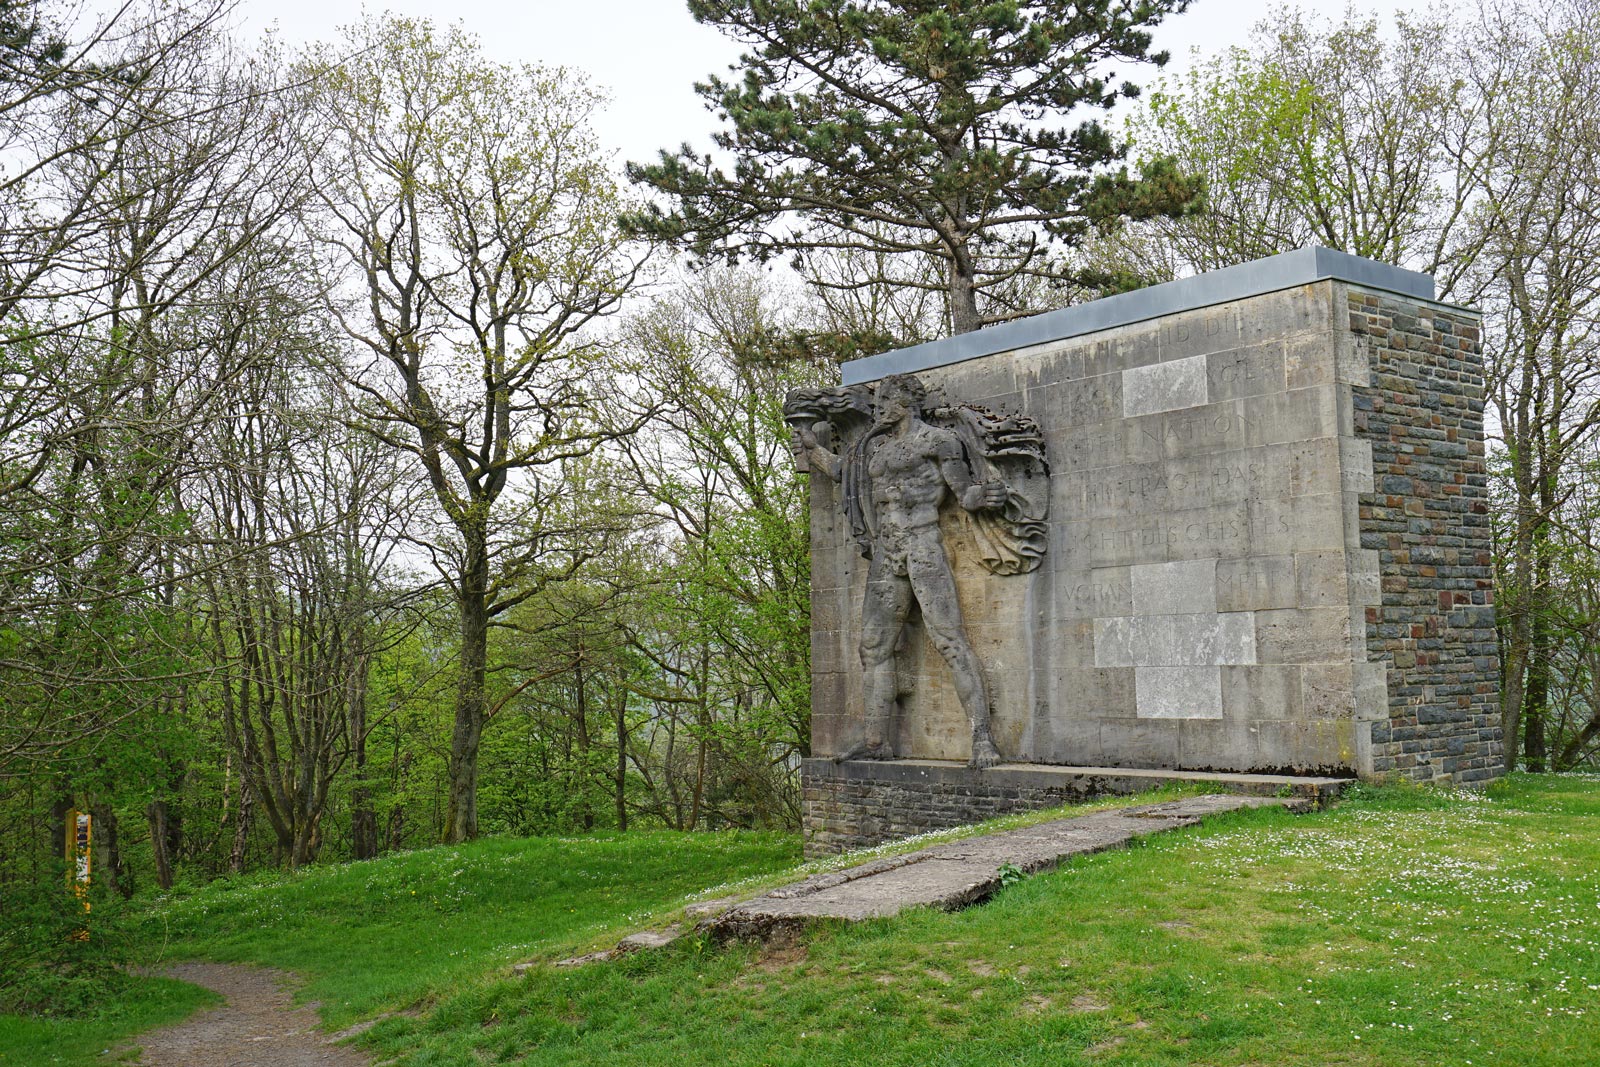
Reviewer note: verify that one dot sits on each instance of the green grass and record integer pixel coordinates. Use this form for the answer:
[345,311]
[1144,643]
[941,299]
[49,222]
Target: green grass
[393,933]
[148,1003]
[1405,927]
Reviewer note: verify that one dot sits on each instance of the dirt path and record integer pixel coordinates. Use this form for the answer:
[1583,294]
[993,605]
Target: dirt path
[259,1026]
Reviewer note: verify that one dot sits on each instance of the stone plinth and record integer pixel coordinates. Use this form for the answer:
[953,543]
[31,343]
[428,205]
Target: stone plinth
[857,804]
[1268,538]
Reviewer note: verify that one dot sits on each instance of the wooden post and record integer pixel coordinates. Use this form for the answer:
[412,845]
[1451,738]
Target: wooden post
[79,847]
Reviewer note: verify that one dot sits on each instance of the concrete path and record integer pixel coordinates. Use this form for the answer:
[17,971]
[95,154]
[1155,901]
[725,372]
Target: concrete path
[963,872]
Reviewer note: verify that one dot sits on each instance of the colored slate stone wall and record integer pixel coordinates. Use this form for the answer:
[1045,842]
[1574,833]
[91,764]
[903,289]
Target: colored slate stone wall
[1427,518]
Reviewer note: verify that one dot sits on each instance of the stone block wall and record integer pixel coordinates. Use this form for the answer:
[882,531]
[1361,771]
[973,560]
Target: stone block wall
[1201,605]
[1428,519]
[1268,553]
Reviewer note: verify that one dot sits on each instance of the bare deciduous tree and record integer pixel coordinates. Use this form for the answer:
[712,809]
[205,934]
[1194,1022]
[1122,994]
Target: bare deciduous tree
[470,207]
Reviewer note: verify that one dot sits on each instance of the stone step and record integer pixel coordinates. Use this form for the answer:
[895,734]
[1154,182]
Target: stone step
[947,876]
[963,872]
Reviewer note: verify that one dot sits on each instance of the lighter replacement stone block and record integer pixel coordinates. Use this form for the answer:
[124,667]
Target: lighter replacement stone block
[1114,643]
[1164,387]
[1178,692]
[1199,640]
[1181,588]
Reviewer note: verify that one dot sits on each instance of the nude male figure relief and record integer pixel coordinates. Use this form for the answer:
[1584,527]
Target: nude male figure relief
[911,468]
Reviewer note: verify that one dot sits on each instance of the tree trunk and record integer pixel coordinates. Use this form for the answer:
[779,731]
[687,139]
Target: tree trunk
[1513,674]
[1537,697]
[241,827]
[1569,754]
[585,809]
[160,842]
[166,825]
[699,785]
[622,759]
[1541,651]
[461,816]
[60,809]
[303,849]
[109,861]
[363,820]
[1517,637]
[963,296]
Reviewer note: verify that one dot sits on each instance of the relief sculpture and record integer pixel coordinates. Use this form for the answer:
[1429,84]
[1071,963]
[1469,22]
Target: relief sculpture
[899,457]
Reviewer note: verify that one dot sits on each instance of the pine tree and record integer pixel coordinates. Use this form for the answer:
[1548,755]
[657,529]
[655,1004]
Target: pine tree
[950,129]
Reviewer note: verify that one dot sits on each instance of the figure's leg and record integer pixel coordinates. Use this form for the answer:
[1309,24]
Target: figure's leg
[883,615]
[935,589]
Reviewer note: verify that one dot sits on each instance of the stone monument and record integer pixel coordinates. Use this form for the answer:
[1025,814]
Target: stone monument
[1231,524]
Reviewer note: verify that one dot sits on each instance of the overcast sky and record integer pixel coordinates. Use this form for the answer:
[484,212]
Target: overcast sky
[649,53]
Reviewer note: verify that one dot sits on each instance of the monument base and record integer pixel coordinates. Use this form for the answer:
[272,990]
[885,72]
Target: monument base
[860,803]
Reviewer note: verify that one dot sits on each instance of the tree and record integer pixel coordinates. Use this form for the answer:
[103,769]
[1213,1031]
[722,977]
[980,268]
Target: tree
[722,615]
[469,205]
[1539,279]
[141,175]
[302,516]
[914,127]
[74,93]
[1335,134]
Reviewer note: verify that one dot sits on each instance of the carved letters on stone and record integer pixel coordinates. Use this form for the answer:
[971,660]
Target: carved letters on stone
[899,457]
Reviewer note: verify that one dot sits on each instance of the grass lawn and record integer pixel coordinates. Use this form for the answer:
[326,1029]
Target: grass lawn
[149,1003]
[1403,927]
[394,933]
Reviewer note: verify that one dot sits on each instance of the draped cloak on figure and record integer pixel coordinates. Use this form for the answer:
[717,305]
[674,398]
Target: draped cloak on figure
[996,448]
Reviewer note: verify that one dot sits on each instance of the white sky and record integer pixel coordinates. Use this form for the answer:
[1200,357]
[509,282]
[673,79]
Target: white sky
[649,53]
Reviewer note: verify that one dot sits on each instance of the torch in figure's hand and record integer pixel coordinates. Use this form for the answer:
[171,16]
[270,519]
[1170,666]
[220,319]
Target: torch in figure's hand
[802,439]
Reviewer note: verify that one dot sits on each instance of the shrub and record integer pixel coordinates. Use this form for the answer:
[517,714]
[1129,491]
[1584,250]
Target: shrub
[47,966]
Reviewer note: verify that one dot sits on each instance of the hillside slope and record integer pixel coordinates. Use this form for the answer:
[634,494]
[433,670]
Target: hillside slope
[1403,927]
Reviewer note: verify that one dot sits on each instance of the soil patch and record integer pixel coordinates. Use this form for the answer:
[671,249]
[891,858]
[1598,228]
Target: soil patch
[258,1026]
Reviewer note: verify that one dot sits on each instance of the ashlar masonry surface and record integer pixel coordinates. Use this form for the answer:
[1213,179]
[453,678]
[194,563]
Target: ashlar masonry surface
[1267,550]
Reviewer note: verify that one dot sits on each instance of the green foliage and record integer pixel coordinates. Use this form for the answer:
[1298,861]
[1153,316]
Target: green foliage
[1333,132]
[474,201]
[722,611]
[909,127]
[55,960]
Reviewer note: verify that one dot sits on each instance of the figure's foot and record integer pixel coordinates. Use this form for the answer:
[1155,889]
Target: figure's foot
[984,754]
[865,750]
